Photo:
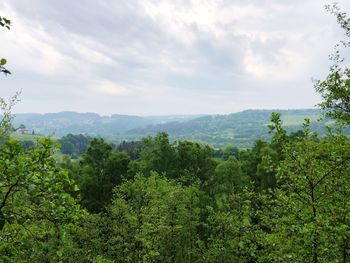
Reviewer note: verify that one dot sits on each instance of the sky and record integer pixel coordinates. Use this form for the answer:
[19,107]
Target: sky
[162,57]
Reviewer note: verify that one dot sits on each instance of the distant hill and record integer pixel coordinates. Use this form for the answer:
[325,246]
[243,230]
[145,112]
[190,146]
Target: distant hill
[241,129]
[93,124]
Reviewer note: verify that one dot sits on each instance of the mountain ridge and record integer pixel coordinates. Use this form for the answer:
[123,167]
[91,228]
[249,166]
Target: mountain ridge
[241,128]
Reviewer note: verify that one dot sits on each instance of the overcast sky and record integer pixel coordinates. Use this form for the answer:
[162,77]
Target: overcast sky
[149,57]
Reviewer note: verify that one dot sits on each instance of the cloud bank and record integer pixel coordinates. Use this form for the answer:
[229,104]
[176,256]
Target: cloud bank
[151,57]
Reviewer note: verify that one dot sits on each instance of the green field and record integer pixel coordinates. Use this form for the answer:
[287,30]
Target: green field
[292,120]
[25,137]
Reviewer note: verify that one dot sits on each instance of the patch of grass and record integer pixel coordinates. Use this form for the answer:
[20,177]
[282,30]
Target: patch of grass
[25,137]
[292,120]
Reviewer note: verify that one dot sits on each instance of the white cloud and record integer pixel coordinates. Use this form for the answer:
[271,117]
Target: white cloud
[286,65]
[87,50]
[110,88]
[161,57]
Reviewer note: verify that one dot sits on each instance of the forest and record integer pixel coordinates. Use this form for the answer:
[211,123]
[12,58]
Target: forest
[286,199]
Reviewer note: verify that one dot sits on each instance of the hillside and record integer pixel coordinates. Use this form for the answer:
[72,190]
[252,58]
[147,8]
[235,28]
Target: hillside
[93,124]
[240,129]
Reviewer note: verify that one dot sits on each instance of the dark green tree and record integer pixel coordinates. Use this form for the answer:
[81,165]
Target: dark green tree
[229,177]
[101,169]
[194,163]
[157,154]
[74,145]
[151,219]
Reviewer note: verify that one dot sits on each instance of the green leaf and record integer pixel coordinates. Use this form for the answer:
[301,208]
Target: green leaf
[76,188]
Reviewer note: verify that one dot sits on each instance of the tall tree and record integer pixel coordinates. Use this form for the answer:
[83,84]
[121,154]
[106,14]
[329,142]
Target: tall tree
[335,89]
[101,169]
[311,212]
[151,219]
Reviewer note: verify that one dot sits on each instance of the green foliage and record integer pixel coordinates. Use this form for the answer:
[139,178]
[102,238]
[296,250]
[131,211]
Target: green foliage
[157,154]
[335,89]
[4,22]
[234,234]
[6,115]
[3,62]
[151,219]
[192,209]
[35,209]
[311,208]
[130,148]
[230,172]
[100,170]
[185,161]
[33,202]
[194,163]
[74,145]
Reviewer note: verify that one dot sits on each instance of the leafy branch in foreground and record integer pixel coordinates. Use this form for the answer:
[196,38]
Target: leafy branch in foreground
[6,116]
[4,22]
[335,89]
[4,70]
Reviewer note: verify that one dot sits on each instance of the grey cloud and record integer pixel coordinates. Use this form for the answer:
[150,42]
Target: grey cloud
[118,41]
